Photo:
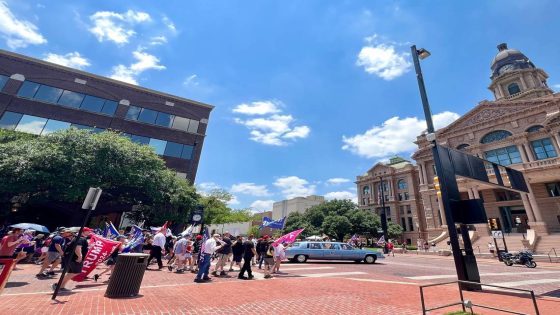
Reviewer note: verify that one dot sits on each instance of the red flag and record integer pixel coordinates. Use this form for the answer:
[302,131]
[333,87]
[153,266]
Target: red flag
[164,228]
[288,238]
[99,250]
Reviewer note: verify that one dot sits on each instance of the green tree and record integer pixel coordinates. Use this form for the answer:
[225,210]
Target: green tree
[364,221]
[61,166]
[394,230]
[336,225]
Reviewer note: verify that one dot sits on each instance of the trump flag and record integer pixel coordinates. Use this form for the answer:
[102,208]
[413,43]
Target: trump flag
[99,250]
[288,238]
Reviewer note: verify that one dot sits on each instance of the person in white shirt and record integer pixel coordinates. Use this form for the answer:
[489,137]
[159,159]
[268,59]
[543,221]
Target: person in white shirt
[157,246]
[279,255]
[209,247]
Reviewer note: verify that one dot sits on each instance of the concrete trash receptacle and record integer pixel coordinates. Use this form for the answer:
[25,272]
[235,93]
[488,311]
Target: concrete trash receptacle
[127,276]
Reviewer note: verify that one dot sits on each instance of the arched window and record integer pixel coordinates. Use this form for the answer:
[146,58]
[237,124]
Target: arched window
[534,128]
[462,146]
[402,184]
[513,89]
[365,190]
[495,136]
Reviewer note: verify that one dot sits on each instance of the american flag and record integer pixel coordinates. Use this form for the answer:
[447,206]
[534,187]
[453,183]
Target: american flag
[354,237]
[205,237]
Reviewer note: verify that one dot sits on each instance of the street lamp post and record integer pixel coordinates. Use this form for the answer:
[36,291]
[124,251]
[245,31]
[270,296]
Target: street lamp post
[442,175]
[383,216]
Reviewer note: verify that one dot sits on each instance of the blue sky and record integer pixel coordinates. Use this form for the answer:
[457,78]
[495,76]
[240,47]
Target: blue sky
[308,94]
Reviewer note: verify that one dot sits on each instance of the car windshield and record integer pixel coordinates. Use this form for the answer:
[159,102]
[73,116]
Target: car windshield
[295,245]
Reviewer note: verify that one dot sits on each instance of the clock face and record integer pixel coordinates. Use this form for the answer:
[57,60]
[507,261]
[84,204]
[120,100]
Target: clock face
[196,217]
[505,68]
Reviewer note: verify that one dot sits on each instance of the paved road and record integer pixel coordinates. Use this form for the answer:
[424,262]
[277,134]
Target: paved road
[387,287]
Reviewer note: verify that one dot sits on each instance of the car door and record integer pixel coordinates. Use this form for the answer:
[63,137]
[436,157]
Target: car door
[315,250]
[350,253]
[331,251]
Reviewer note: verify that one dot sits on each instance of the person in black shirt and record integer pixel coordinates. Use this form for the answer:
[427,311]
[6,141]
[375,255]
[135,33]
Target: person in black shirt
[248,253]
[237,249]
[223,255]
[76,261]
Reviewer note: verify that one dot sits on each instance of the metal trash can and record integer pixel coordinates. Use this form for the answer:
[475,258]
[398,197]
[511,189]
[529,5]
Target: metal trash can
[127,276]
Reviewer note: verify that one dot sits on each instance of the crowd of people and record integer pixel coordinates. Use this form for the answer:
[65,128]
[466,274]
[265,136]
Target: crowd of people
[183,253]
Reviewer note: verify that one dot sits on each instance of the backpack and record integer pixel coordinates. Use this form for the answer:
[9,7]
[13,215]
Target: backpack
[269,250]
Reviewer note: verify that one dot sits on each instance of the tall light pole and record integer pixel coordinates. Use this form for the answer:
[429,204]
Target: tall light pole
[383,216]
[443,176]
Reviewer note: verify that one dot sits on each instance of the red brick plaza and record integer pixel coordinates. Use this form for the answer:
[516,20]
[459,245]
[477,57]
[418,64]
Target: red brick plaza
[389,287]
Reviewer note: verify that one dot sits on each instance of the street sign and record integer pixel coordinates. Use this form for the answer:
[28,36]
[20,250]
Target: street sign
[498,234]
[197,214]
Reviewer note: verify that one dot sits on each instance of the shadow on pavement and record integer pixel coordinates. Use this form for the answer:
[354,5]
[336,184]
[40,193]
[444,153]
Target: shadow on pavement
[16,284]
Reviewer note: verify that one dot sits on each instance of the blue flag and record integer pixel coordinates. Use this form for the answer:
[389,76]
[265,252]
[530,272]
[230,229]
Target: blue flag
[110,231]
[137,239]
[278,224]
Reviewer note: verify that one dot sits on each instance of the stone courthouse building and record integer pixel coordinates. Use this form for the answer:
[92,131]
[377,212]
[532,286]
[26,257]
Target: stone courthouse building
[519,129]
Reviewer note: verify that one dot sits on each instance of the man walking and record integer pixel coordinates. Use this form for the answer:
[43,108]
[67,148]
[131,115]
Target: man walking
[76,262]
[268,258]
[54,254]
[248,253]
[223,255]
[10,242]
[209,248]
[237,249]
[180,251]
[157,246]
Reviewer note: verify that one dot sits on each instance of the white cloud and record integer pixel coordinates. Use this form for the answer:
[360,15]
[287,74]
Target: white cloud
[191,80]
[258,108]
[383,59]
[337,181]
[18,33]
[205,188]
[170,25]
[341,195]
[72,60]
[271,128]
[262,205]
[250,189]
[293,186]
[130,74]
[116,27]
[234,201]
[158,40]
[394,136]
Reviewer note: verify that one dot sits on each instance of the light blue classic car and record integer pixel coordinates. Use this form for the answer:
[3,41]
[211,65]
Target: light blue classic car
[302,251]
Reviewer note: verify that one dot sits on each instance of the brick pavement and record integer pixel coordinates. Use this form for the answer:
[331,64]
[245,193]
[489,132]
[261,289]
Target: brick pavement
[374,290]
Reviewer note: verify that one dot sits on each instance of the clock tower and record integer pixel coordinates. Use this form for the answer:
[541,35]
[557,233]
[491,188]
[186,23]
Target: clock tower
[515,77]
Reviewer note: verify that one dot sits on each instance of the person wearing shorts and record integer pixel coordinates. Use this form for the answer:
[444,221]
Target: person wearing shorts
[237,249]
[180,249]
[268,259]
[76,258]
[54,254]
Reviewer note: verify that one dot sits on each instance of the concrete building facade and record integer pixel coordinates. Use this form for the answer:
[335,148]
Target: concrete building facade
[283,208]
[40,97]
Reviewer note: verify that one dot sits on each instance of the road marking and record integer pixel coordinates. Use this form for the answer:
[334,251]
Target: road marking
[483,274]
[383,281]
[332,274]
[304,268]
[525,282]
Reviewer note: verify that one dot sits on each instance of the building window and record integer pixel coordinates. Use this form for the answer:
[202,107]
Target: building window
[55,125]
[513,89]
[162,119]
[31,124]
[406,196]
[495,136]
[462,146]
[10,120]
[543,149]
[410,224]
[148,116]
[187,152]
[506,195]
[173,149]
[158,145]
[401,210]
[408,209]
[365,190]
[504,156]
[403,224]
[534,128]
[402,184]
[67,98]
[363,201]
[3,81]
[400,196]
[553,189]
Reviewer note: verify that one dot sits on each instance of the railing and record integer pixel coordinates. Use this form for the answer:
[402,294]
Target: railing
[555,255]
[469,304]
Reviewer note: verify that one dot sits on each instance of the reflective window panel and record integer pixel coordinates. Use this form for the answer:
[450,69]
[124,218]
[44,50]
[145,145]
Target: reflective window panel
[31,124]
[10,120]
[71,99]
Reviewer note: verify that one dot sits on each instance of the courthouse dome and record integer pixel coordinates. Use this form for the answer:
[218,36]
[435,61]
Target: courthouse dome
[509,59]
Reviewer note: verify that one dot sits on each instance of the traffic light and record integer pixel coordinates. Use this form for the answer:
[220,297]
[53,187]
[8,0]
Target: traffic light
[437,187]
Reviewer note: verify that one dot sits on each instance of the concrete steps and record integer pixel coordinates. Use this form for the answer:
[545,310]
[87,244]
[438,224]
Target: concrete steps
[547,242]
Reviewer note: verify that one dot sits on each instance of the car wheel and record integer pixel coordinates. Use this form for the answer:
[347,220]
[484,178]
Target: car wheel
[370,259]
[301,258]
[508,263]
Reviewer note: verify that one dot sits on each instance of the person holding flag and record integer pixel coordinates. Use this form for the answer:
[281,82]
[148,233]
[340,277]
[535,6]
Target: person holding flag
[208,249]
[112,259]
[110,231]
